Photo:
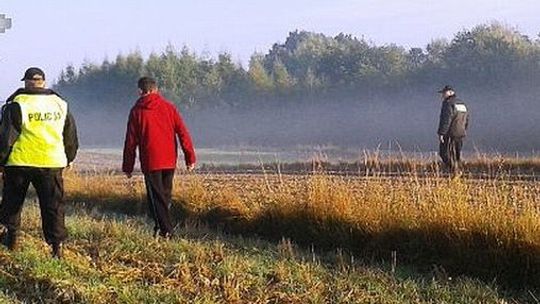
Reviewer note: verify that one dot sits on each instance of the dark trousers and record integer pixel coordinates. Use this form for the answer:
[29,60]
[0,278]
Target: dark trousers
[450,152]
[158,193]
[49,187]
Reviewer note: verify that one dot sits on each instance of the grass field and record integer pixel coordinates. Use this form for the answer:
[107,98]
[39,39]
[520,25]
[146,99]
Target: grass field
[278,238]
[114,260]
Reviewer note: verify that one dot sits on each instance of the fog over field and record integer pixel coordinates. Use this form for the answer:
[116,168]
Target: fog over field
[502,123]
[315,90]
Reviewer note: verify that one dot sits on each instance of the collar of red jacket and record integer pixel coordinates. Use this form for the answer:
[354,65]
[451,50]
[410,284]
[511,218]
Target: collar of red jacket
[149,100]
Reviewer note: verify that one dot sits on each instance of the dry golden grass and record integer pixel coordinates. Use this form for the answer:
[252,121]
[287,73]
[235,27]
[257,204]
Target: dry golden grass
[114,259]
[489,229]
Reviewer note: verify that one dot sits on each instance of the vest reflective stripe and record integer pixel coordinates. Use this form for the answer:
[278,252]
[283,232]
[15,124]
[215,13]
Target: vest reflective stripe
[41,142]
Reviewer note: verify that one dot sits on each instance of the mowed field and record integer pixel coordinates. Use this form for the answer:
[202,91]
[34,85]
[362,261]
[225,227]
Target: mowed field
[377,231]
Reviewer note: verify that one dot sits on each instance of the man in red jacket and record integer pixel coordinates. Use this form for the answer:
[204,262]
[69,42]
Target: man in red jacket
[153,126]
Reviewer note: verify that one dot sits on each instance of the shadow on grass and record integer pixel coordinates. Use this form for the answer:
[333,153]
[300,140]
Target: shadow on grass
[474,253]
[514,266]
[33,288]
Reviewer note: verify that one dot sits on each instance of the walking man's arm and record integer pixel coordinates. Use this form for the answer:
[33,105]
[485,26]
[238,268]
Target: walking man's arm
[10,129]
[130,146]
[71,140]
[445,119]
[185,142]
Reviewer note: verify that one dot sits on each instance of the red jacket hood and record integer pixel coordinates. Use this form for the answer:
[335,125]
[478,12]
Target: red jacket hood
[150,101]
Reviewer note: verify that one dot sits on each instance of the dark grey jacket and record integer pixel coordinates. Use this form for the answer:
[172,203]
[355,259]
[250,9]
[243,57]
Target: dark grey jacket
[454,119]
[11,123]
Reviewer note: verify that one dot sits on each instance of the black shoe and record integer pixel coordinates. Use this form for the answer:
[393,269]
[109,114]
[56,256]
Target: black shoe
[57,250]
[10,239]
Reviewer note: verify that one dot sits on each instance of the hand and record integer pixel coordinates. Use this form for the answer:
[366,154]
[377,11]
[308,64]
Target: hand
[190,168]
[441,138]
[128,174]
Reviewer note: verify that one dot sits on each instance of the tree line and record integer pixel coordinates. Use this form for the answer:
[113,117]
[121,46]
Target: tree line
[309,67]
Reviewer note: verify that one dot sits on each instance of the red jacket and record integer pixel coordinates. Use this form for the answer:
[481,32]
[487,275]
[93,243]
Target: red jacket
[153,126]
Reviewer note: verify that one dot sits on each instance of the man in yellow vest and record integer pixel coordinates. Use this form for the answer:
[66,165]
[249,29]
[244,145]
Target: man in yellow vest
[38,139]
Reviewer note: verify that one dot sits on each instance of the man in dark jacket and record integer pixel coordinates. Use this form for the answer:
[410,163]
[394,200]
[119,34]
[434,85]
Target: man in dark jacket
[38,139]
[154,123]
[453,124]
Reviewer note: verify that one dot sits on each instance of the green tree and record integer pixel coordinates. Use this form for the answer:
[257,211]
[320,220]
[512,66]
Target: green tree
[259,77]
[283,82]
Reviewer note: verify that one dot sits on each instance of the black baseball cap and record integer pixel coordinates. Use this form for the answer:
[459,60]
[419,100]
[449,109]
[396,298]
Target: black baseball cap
[33,73]
[446,88]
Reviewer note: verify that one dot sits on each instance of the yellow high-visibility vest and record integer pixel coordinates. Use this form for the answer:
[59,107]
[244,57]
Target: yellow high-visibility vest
[41,142]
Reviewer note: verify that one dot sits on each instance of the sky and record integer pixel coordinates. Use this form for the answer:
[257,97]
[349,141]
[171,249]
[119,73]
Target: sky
[52,34]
